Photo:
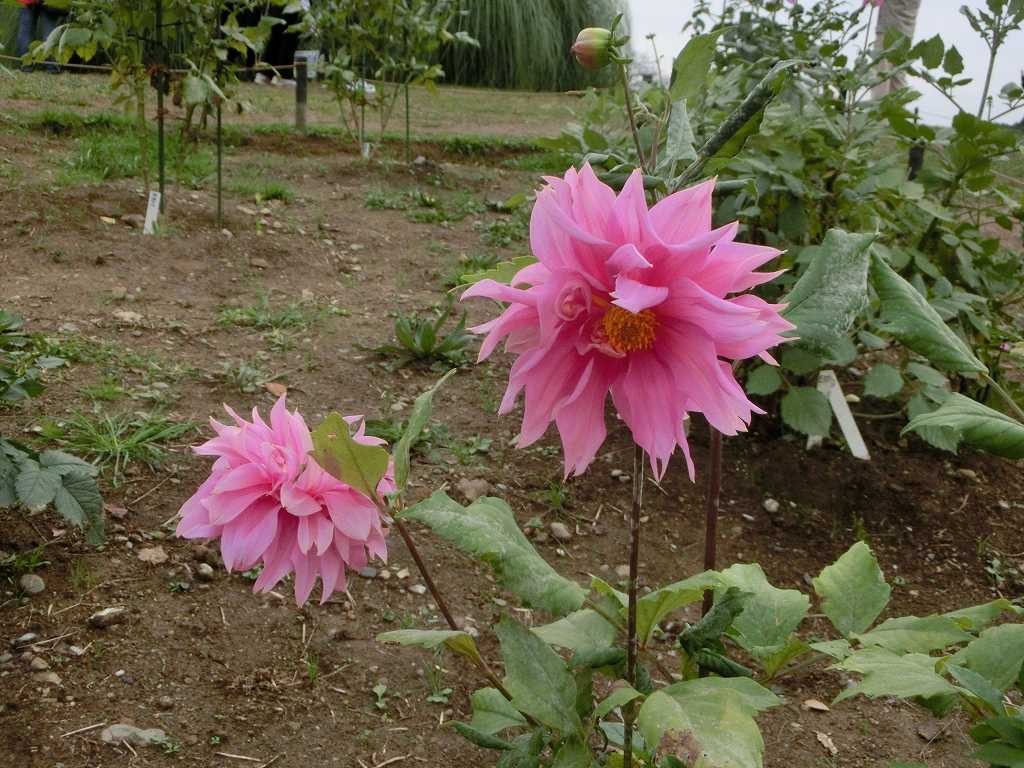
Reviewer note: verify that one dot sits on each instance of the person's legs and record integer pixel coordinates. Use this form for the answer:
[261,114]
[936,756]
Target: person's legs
[902,16]
[27,17]
[49,19]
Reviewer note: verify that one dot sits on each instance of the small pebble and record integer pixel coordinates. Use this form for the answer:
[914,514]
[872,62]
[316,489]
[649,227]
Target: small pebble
[38,664]
[622,571]
[560,532]
[204,571]
[108,617]
[27,639]
[418,589]
[369,572]
[31,584]
[771,506]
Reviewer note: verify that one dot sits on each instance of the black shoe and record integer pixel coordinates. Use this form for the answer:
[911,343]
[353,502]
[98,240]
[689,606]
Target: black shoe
[27,68]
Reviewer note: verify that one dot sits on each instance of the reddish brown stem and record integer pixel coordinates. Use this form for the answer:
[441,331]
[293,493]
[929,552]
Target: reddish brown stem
[711,505]
[411,546]
[634,563]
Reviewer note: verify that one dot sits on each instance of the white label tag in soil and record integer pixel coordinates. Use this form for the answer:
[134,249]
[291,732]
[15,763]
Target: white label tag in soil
[829,386]
[152,212]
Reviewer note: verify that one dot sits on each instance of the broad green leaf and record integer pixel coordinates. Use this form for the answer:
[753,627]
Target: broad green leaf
[457,642]
[910,634]
[573,754]
[853,591]
[78,500]
[487,530]
[36,486]
[806,410]
[978,686]
[775,661]
[194,90]
[357,465]
[770,616]
[996,654]
[582,631]
[764,380]
[679,141]
[883,381]
[977,617]
[540,683]
[906,314]
[64,463]
[944,438]
[502,272]
[888,674]
[525,752]
[931,51]
[1000,754]
[622,694]
[837,649]
[493,713]
[653,607]
[832,292]
[927,375]
[418,419]
[977,425]
[799,360]
[713,715]
[691,67]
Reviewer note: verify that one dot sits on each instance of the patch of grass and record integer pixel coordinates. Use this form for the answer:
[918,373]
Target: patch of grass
[107,390]
[467,265]
[62,122]
[81,576]
[422,339]
[538,162]
[262,316]
[118,441]
[13,567]
[504,232]
[102,154]
[467,450]
[245,376]
[253,185]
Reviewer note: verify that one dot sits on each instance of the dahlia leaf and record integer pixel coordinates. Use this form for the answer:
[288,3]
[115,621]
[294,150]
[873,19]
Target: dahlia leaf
[888,674]
[502,272]
[418,419]
[36,486]
[488,530]
[457,642]
[79,502]
[909,317]
[653,607]
[831,293]
[806,410]
[481,739]
[538,679]
[977,425]
[912,634]
[769,616]
[883,381]
[360,466]
[853,590]
[623,694]
[711,717]
[493,713]
[690,69]
[764,380]
[997,654]
[584,630]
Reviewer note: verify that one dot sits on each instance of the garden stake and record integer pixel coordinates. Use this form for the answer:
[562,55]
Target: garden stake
[160,65]
[301,89]
[634,561]
[711,506]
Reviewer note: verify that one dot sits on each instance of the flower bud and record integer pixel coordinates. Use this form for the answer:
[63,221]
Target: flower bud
[593,47]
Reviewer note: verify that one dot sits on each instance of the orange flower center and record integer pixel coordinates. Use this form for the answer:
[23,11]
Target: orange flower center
[629,331]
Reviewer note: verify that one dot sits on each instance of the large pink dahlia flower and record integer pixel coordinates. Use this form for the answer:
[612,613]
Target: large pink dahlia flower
[269,502]
[634,301]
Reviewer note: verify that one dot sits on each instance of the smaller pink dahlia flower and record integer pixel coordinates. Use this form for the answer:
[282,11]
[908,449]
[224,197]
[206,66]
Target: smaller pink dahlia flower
[647,304]
[269,502]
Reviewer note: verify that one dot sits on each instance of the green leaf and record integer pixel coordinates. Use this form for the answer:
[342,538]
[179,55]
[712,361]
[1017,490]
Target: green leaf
[573,754]
[493,713]
[978,686]
[36,486]
[457,642]
[927,375]
[978,425]
[806,410]
[930,51]
[502,272]
[64,463]
[953,62]
[418,419]
[799,361]
[691,67]
[906,314]
[997,753]
[888,674]
[853,591]
[883,381]
[769,616]
[713,716]
[837,649]
[977,617]
[360,466]
[679,140]
[78,500]
[582,631]
[943,438]
[764,380]
[831,293]
[653,607]
[910,634]
[194,90]
[775,661]
[540,683]
[623,693]
[480,738]
[487,530]
[996,654]
[525,751]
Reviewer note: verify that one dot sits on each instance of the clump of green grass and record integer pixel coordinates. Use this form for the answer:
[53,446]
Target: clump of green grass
[504,232]
[262,316]
[103,154]
[120,440]
[255,186]
[245,376]
[468,265]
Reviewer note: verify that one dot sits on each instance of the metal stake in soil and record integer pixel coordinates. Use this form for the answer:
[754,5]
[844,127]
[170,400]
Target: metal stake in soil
[160,83]
[301,94]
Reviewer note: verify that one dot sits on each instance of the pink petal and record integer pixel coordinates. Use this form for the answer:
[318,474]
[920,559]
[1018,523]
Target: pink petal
[636,297]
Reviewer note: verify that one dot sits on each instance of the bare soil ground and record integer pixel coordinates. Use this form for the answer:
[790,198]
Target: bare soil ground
[222,671]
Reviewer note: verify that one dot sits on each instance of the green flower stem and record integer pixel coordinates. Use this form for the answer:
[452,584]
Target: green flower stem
[624,74]
[634,561]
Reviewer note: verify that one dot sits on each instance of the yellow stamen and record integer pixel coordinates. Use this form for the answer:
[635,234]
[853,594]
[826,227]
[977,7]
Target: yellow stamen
[629,331]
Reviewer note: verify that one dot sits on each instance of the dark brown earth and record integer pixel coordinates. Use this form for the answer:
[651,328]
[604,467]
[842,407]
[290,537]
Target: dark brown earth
[235,668]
